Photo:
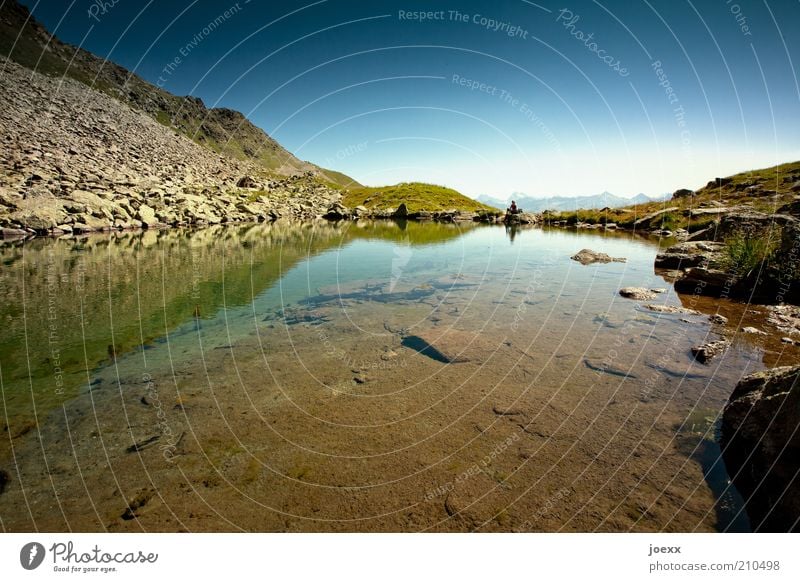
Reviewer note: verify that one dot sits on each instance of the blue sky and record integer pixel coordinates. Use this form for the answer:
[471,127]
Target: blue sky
[489,98]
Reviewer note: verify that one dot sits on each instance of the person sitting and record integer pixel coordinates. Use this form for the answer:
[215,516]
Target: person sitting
[513,209]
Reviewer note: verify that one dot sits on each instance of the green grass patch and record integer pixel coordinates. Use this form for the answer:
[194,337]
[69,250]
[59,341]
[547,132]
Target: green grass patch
[745,252]
[416,196]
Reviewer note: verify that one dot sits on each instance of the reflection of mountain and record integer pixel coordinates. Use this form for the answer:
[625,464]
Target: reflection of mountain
[71,304]
[602,200]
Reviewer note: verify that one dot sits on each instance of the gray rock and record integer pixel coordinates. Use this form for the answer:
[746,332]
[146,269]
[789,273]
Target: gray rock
[753,330]
[637,293]
[670,309]
[761,447]
[588,256]
[146,215]
[710,350]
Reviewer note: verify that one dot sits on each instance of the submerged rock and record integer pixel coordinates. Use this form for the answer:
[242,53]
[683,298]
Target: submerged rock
[710,350]
[761,447]
[670,309]
[637,293]
[588,256]
[753,331]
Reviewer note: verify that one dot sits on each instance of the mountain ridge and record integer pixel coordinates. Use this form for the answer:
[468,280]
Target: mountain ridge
[225,131]
[558,203]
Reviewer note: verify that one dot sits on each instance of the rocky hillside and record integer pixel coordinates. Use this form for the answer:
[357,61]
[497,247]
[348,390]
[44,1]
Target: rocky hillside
[26,42]
[75,160]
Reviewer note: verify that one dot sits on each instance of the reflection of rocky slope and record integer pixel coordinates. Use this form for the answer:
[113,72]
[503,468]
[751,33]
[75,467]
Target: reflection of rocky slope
[761,444]
[85,301]
[219,130]
[76,302]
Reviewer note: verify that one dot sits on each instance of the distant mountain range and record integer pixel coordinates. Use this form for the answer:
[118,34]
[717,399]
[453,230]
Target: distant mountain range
[596,201]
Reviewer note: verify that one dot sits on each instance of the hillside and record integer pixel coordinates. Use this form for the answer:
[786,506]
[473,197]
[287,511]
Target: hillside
[768,190]
[90,162]
[567,203]
[220,130]
[416,196]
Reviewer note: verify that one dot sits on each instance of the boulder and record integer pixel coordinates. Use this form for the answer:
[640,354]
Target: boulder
[402,211]
[337,211]
[687,254]
[246,182]
[146,215]
[719,182]
[588,256]
[761,447]
[653,215]
[682,193]
[702,281]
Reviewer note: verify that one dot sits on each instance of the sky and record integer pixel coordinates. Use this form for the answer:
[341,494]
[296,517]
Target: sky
[542,98]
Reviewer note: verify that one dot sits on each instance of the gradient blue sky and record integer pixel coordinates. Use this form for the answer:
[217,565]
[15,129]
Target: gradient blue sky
[352,86]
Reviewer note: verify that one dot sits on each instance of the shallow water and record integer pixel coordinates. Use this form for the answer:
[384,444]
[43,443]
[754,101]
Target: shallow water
[291,377]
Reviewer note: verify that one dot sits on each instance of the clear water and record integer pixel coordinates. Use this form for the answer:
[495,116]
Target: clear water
[255,361]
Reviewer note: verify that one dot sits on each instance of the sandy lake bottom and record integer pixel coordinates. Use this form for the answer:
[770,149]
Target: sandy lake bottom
[361,377]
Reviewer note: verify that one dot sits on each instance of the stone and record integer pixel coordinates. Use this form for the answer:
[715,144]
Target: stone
[760,441]
[651,216]
[753,330]
[683,193]
[246,182]
[146,215]
[710,350]
[702,281]
[13,232]
[718,319]
[786,318]
[670,309]
[588,256]
[337,211]
[637,293]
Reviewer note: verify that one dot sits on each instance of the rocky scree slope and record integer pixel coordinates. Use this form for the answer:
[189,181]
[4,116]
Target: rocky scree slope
[75,159]
[221,130]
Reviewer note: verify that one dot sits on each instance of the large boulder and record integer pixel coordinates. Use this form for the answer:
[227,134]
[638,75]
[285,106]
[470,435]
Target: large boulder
[146,215]
[687,254]
[337,211]
[761,447]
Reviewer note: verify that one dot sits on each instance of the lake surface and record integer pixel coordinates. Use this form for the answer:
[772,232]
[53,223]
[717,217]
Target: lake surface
[282,377]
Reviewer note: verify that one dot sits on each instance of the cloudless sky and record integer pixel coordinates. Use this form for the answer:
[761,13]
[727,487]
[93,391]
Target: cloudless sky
[365,89]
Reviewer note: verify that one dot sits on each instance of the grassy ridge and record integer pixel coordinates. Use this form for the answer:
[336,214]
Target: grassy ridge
[416,196]
[765,190]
